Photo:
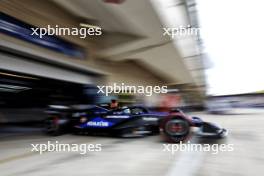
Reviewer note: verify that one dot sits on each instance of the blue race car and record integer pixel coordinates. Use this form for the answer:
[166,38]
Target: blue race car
[126,122]
[133,121]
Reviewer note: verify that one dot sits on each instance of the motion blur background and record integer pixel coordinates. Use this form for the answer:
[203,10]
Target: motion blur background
[218,71]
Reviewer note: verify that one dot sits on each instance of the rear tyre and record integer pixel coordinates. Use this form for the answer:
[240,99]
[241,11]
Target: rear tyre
[52,127]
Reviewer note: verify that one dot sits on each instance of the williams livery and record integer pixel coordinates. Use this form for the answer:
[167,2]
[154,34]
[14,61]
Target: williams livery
[127,121]
[132,121]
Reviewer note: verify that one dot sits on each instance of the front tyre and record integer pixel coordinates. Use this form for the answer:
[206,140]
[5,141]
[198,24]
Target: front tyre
[175,129]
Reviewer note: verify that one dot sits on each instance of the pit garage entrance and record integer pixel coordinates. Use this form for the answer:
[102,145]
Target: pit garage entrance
[28,86]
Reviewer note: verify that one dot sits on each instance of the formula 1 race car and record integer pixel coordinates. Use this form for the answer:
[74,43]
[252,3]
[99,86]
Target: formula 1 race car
[133,121]
[130,121]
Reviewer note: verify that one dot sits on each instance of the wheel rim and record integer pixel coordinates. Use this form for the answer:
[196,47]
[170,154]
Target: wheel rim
[177,127]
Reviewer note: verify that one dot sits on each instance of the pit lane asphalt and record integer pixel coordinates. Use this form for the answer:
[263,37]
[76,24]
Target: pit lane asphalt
[138,156]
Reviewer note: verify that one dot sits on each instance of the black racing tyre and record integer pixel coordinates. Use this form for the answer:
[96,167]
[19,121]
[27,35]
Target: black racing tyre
[52,127]
[176,129]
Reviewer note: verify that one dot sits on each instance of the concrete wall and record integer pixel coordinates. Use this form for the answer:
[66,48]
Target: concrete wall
[43,13]
[13,63]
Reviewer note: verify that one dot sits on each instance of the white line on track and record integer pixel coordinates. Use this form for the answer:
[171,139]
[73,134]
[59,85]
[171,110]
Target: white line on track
[186,164]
